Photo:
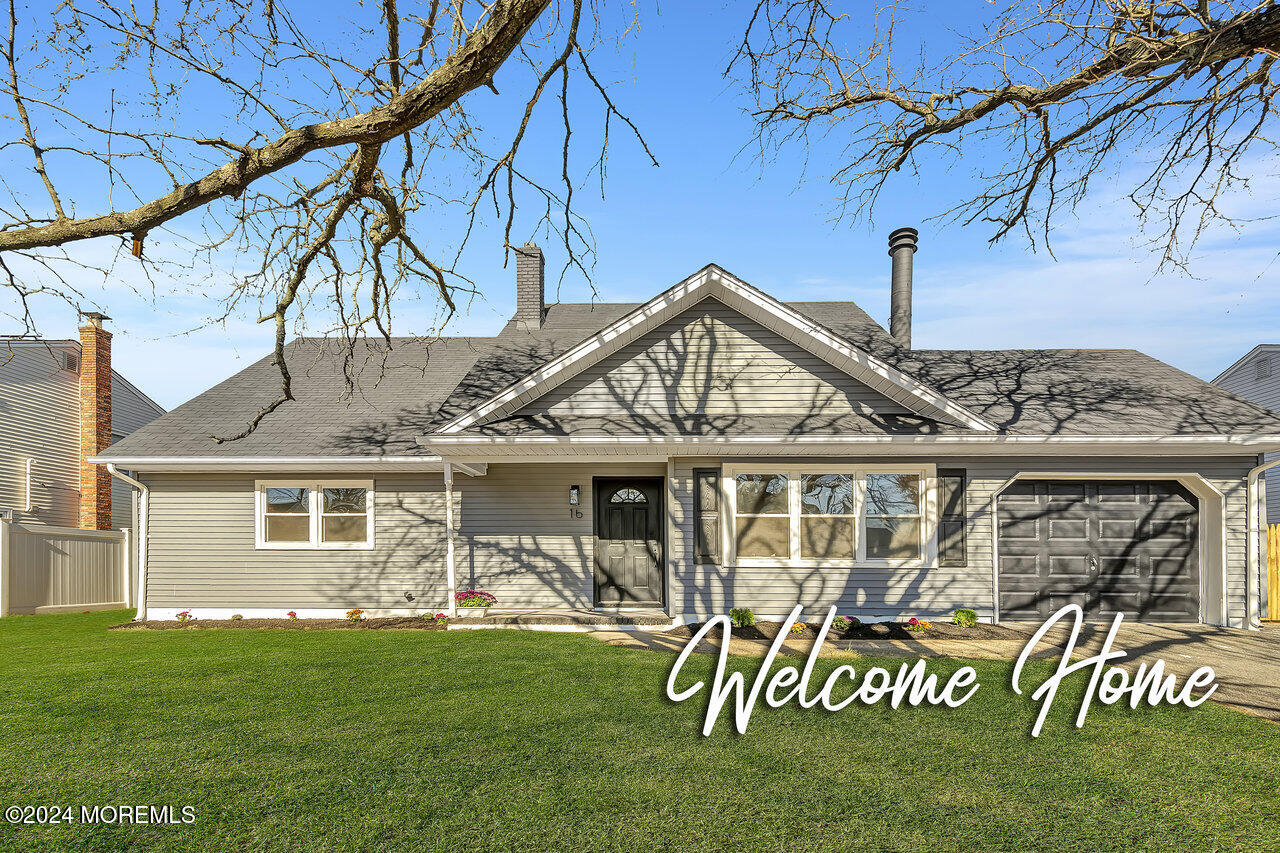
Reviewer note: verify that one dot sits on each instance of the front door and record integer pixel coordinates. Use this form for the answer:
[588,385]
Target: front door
[628,527]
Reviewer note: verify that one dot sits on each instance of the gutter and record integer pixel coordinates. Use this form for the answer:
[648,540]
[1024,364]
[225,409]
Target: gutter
[1252,604]
[141,615]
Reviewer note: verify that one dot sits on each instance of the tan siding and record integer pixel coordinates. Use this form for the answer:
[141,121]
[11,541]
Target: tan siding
[40,420]
[1243,381]
[710,360]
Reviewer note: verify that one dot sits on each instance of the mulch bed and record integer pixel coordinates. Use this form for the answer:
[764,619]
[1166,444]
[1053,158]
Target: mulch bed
[415,623]
[939,630]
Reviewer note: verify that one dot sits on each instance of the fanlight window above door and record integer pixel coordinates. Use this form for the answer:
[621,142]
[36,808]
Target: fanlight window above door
[628,496]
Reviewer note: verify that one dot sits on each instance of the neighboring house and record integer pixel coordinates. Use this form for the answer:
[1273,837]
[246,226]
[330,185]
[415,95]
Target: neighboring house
[708,449]
[1256,378]
[60,401]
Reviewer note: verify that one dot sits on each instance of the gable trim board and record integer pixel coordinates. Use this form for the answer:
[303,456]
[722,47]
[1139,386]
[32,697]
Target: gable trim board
[714,282]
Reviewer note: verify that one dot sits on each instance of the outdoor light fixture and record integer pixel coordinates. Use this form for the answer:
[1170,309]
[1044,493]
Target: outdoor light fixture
[573,496]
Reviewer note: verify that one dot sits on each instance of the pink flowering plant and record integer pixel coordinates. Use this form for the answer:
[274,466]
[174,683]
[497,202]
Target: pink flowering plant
[475,598]
[185,616]
[918,626]
[292,615]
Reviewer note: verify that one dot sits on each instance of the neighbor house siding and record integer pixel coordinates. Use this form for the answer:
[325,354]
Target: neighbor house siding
[40,420]
[699,590]
[1243,381]
[520,539]
[201,549]
[710,361]
[130,410]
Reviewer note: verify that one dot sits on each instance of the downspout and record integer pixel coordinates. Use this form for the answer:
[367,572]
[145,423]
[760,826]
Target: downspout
[28,507]
[450,575]
[143,530]
[1252,616]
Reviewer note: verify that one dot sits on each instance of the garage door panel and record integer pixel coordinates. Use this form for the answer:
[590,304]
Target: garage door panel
[1109,546]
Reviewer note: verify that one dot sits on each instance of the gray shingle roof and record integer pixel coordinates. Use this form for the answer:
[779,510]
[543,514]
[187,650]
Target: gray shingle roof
[418,385]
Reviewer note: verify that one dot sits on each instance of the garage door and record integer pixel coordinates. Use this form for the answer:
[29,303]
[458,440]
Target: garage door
[1109,546]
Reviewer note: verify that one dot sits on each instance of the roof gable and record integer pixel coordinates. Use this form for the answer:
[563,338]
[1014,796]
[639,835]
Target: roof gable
[709,370]
[750,302]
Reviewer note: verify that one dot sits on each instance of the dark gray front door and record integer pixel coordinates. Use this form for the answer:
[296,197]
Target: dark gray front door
[1110,546]
[628,525]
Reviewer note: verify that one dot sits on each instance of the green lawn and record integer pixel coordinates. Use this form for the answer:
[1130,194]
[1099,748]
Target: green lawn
[505,740]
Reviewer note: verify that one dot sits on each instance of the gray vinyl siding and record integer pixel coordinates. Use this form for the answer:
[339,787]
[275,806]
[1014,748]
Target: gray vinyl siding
[201,549]
[521,541]
[699,590]
[516,538]
[40,420]
[1243,381]
[710,360]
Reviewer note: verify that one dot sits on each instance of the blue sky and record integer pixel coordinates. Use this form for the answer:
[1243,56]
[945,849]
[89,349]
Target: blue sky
[772,225]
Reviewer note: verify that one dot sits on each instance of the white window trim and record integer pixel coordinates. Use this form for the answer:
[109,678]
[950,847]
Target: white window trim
[315,507]
[928,474]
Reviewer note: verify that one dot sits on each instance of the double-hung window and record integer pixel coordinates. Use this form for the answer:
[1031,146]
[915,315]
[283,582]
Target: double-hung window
[833,515]
[303,515]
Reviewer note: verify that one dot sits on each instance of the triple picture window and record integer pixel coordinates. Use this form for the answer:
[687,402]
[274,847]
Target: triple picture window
[300,515]
[866,516]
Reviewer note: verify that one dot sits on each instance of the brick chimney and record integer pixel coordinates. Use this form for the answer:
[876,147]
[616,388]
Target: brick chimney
[530,287]
[95,422]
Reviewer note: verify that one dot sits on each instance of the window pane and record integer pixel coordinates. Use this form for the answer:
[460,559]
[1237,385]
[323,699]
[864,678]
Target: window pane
[288,528]
[893,494]
[826,494]
[764,537]
[345,528]
[893,538]
[826,538]
[762,494]
[287,500]
[344,500]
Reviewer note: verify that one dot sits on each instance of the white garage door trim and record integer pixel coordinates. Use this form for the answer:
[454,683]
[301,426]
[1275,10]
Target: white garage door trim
[1213,533]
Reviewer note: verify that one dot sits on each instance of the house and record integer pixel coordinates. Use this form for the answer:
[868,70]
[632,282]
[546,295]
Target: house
[61,401]
[1256,378]
[711,448]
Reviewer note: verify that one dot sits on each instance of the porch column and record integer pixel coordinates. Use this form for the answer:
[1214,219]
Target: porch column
[450,576]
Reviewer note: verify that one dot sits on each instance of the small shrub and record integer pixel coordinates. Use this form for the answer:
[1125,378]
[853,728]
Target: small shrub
[236,617]
[965,618]
[185,616]
[841,624]
[918,626]
[442,619]
[742,617]
[797,628]
[292,615]
[355,614]
[475,598]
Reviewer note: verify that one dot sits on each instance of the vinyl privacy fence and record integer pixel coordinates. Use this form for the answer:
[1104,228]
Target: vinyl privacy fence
[59,569]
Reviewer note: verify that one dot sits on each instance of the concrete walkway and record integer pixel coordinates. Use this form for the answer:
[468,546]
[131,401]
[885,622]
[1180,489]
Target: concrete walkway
[1247,663]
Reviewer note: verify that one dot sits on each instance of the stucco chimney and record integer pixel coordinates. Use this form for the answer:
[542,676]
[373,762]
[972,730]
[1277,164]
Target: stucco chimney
[95,422]
[530,286]
[902,247]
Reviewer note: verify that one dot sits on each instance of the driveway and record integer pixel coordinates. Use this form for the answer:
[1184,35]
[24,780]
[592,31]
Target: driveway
[1246,663]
